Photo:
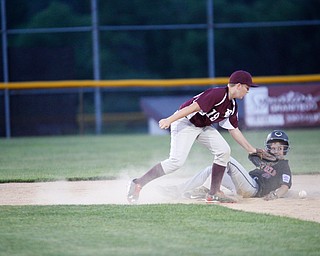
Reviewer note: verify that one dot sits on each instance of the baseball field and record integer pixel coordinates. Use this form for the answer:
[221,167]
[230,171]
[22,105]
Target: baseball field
[66,196]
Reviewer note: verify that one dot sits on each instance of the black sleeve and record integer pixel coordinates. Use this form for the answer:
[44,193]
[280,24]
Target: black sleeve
[256,160]
[286,173]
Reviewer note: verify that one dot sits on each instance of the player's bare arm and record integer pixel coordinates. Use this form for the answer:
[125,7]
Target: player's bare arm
[282,190]
[166,122]
[238,137]
[278,193]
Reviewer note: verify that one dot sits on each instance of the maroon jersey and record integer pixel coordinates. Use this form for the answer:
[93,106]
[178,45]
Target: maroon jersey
[215,108]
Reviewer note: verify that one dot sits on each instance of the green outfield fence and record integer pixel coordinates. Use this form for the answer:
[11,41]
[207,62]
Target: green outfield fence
[9,90]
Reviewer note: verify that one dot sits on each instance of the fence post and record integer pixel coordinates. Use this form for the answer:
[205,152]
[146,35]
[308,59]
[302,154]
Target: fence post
[210,33]
[5,68]
[96,65]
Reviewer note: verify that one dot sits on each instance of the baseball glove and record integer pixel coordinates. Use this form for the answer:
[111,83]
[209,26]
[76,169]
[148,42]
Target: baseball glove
[263,155]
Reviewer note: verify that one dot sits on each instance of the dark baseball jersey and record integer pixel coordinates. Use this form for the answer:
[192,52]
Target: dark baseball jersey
[215,108]
[271,175]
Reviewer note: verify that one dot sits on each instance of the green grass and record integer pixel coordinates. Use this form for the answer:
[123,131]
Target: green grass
[108,157]
[54,158]
[152,230]
[173,229]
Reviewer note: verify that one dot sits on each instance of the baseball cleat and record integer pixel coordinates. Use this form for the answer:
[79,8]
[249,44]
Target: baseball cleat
[197,193]
[219,198]
[133,192]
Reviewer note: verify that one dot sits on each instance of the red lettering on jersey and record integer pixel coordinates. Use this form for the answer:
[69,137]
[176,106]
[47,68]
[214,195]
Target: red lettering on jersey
[268,169]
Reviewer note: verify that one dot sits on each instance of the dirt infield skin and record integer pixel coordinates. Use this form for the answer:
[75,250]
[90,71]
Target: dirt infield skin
[114,192]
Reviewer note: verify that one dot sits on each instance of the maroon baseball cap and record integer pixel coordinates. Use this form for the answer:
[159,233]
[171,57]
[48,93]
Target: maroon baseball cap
[242,77]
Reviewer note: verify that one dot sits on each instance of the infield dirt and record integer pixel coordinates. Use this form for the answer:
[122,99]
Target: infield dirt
[114,192]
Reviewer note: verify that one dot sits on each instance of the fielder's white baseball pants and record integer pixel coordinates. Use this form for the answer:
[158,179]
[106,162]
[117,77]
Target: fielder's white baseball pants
[184,134]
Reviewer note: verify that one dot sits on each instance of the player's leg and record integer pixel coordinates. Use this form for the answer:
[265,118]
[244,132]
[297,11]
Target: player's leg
[196,186]
[218,146]
[203,180]
[220,149]
[196,181]
[183,135]
[244,183]
[228,183]
[191,187]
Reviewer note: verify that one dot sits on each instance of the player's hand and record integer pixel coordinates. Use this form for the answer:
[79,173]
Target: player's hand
[264,155]
[164,123]
[271,196]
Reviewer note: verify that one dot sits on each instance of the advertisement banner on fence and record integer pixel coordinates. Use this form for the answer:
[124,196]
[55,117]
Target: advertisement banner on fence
[283,106]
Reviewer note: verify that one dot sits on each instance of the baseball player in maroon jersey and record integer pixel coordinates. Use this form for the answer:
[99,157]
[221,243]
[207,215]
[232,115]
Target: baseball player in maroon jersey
[193,121]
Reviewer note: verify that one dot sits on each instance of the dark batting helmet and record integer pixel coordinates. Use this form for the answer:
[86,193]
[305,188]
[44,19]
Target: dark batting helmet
[278,136]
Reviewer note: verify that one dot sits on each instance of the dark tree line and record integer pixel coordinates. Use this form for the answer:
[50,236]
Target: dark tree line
[170,53]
